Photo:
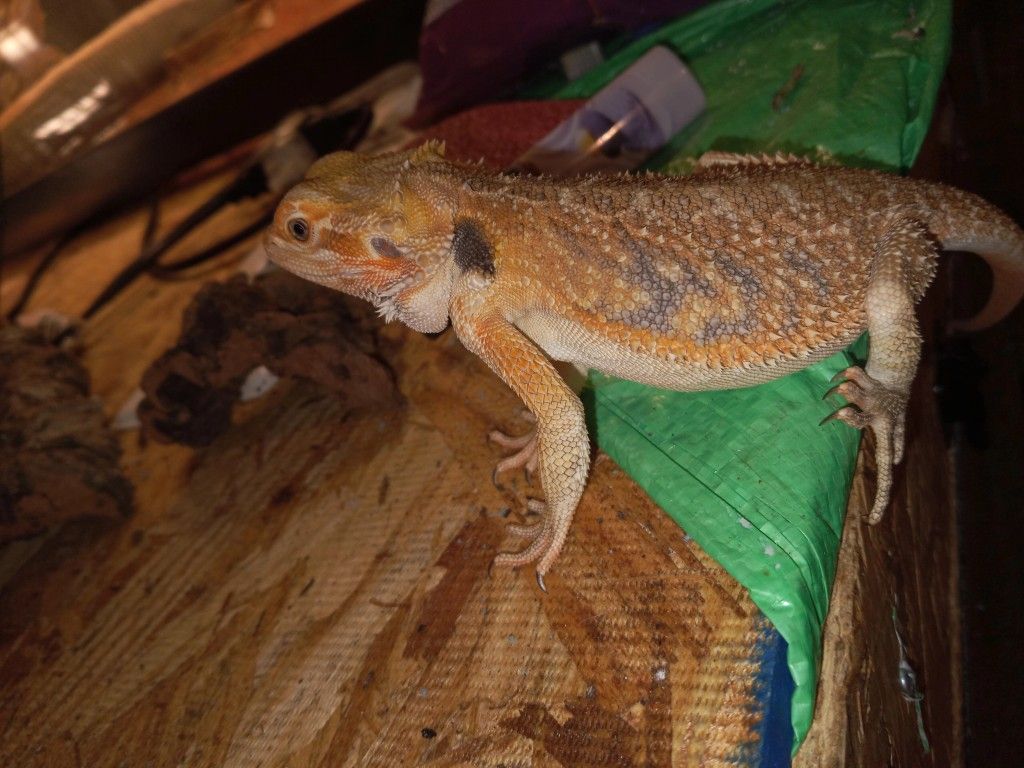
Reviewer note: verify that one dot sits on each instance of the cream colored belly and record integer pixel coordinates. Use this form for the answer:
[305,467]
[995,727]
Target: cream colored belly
[563,339]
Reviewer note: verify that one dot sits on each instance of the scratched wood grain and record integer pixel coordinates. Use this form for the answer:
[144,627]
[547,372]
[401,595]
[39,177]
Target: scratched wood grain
[313,588]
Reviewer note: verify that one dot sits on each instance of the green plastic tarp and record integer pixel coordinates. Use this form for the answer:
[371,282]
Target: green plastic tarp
[748,473]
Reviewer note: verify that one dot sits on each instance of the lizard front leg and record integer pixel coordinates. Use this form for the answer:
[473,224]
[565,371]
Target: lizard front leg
[562,443]
[879,392]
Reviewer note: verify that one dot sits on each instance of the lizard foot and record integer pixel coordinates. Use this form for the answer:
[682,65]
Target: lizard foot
[872,404]
[525,447]
[547,540]
[528,531]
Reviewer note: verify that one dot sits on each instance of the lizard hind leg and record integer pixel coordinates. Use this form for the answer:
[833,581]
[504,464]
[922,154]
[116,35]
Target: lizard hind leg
[878,393]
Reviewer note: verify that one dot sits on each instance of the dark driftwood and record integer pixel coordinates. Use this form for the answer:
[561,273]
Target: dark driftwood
[58,461]
[294,328]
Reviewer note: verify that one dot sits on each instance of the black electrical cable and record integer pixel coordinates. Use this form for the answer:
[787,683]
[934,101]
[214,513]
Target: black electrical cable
[325,134]
[60,245]
[37,273]
[248,180]
[152,221]
[166,271]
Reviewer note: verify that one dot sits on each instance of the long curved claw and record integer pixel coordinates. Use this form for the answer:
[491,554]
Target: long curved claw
[832,390]
[854,373]
[838,414]
[851,383]
[548,537]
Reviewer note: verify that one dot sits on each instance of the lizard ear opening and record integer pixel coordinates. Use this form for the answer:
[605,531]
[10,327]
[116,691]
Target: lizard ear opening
[385,248]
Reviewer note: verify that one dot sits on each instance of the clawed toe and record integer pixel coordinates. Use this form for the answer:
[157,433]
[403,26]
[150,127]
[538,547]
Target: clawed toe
[525,531]
[869,401]
[525,447]
[536,506]
[525,457]
[537,547]
[546,540]
[872,404]
[850,414]
[509,442]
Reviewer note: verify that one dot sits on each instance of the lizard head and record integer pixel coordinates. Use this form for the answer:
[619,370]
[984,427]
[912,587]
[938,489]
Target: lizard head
[361,225]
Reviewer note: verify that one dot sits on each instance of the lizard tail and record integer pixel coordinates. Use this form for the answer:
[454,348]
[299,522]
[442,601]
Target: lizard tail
[965,222]
[1007,264]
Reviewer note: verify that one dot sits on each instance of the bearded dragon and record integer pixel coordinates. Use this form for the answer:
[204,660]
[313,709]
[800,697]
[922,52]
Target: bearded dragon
[745,271]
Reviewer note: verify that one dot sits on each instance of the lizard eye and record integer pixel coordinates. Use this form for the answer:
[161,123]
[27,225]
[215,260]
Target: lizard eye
[298,228]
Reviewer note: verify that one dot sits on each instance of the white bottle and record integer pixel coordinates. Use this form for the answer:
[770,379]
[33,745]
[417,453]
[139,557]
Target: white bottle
[624,123]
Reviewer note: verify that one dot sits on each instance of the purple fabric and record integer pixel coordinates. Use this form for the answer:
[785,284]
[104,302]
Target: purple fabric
[478,48]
